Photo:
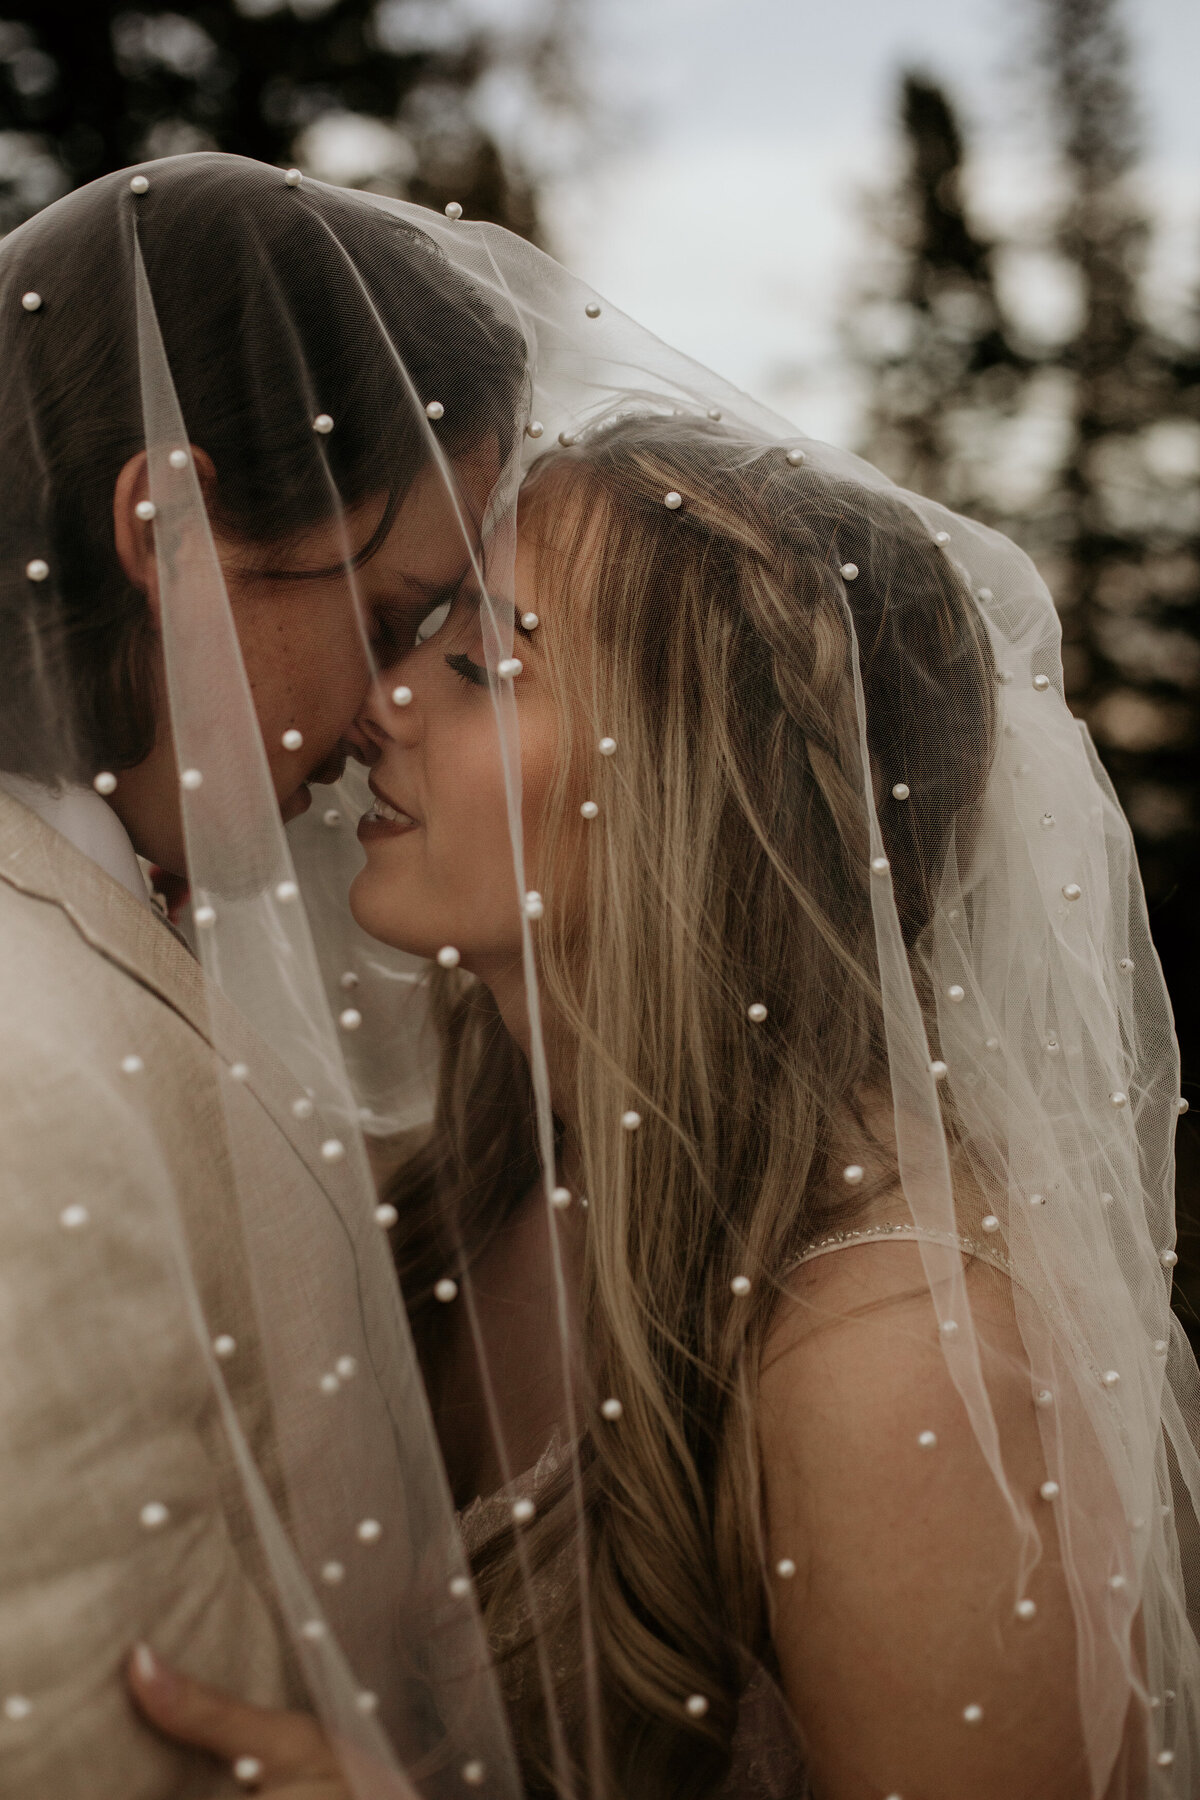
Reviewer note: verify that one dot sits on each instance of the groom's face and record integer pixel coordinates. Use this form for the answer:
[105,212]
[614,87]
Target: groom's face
[309,643]
[309,640]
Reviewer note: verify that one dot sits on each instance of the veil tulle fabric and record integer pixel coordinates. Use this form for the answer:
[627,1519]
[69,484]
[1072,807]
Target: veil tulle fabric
[1029,1045]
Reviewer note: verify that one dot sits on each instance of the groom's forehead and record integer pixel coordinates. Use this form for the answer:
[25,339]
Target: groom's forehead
[438,527]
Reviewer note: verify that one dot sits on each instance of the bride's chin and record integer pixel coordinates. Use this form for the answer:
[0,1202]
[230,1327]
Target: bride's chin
[373,908]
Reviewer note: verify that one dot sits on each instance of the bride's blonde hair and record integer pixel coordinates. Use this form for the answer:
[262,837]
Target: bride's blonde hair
[728,870]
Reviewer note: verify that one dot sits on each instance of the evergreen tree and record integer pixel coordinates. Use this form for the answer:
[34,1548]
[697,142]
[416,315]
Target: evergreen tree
[1119,381]
[1114,522]
[929,332]
[92,85]
[1125,518]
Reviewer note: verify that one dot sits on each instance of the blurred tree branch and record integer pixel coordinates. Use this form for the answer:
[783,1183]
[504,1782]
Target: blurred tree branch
[928,328]
[421,92]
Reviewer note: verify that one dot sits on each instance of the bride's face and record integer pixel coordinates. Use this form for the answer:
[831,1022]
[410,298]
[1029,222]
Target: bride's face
[439,869]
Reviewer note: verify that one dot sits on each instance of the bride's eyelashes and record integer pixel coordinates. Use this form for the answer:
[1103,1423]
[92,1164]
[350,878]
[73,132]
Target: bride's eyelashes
[469,670]
[466,666]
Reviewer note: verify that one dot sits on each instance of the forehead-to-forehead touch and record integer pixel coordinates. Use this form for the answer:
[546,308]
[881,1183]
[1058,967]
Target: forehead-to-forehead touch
[437,531]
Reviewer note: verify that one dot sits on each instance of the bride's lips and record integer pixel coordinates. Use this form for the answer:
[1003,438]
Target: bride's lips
[385,819]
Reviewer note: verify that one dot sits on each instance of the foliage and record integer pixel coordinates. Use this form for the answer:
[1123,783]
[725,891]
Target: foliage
[929,329]
[418,93]
[1112,515]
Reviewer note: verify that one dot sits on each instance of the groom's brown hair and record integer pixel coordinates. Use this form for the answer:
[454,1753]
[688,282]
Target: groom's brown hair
[275,303]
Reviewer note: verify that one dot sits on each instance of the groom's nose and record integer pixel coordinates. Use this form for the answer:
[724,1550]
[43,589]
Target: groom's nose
[362,747]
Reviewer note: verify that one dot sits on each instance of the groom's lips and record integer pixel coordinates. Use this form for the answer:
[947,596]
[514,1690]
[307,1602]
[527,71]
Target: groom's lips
[295,805]
[324,775]
[331,770]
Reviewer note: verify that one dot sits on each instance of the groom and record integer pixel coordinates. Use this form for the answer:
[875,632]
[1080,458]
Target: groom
[109,1082]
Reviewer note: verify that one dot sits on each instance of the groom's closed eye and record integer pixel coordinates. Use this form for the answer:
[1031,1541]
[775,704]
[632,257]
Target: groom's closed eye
[398,625]
[393,633]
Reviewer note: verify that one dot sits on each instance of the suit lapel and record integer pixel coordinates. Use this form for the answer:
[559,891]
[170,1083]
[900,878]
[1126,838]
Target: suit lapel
[40,862]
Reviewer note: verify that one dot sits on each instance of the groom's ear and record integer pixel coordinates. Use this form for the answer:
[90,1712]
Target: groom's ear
[134,537]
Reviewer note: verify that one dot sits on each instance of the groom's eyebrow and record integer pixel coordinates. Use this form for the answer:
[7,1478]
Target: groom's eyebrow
[443,584]
[413,598]
[434,592]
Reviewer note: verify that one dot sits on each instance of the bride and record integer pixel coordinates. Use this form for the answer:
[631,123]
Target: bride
[785,1257]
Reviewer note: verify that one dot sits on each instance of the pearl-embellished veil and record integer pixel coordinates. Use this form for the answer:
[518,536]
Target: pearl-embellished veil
[1031,1081]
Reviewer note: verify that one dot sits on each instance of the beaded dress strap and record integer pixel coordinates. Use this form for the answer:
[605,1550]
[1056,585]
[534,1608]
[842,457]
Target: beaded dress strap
[905,1232]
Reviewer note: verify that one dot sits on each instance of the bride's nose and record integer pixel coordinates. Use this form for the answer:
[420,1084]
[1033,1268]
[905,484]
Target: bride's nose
[386,716]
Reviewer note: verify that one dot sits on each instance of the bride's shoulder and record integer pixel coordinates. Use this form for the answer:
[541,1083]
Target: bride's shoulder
[904,1557]
[857,1318]
[854,1341]
[854,1375]
[864,1293]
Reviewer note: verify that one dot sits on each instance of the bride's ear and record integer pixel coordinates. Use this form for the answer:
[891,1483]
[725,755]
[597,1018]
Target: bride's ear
[133,536]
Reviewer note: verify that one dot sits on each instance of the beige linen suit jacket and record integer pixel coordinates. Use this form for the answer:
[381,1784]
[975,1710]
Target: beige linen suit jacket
[105,1402]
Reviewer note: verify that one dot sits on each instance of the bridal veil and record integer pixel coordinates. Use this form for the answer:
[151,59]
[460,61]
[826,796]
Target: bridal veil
[1024,1025]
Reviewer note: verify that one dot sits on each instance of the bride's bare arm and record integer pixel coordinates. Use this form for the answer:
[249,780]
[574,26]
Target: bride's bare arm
[902,1654]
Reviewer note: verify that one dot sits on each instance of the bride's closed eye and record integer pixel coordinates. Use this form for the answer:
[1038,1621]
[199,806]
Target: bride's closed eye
[438,619]
[466,667]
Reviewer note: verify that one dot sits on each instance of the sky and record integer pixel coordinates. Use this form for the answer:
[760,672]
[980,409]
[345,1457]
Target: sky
[719,199]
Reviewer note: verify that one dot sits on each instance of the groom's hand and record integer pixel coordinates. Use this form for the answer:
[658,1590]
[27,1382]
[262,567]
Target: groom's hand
[285,1754]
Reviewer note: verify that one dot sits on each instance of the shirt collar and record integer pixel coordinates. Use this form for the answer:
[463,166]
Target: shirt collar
[86,821]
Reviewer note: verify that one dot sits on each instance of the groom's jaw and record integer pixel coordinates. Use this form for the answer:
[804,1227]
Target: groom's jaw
[295,805]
